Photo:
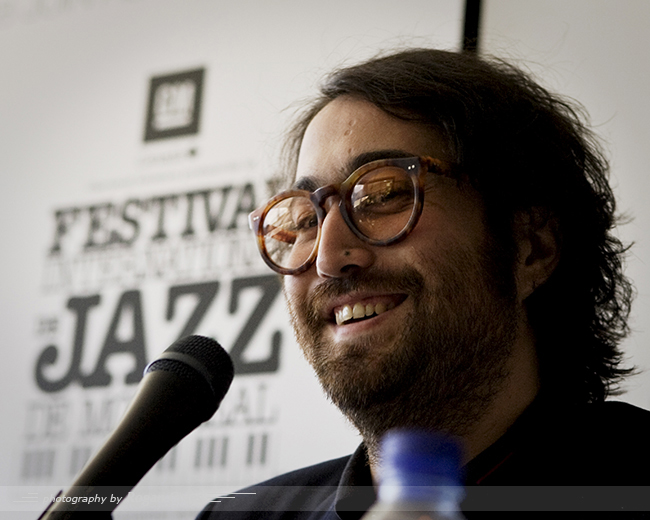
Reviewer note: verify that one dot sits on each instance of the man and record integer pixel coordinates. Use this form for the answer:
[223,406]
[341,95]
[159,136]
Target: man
[448,264]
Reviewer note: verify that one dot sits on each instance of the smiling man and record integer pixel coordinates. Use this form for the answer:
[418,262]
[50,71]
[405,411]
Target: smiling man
[449,348]
[448,263]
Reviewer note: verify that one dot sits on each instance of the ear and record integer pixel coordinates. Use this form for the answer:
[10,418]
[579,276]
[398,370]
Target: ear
[538,241]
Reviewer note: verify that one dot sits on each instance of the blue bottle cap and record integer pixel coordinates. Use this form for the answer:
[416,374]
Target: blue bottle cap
[420,458]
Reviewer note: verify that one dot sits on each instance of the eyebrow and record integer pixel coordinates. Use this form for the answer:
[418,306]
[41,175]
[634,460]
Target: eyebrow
[309,183]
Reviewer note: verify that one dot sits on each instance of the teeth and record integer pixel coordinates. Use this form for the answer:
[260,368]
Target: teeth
[347,313]
[344,315]
[359,311]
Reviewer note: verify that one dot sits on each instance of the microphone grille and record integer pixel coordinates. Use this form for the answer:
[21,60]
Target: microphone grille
[201,361]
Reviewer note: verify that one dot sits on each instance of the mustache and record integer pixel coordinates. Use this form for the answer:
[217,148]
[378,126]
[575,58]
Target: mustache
[406,280]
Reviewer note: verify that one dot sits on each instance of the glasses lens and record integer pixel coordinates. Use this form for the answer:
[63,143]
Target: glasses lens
[290,229]
[382,202]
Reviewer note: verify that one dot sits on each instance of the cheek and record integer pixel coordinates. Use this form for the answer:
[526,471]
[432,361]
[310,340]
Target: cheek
[458,223]
[294,289]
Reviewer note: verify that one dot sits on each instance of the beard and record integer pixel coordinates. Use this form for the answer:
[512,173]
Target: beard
[442,367]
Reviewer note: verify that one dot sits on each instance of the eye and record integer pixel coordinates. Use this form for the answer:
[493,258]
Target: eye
[385,194]
[305,222]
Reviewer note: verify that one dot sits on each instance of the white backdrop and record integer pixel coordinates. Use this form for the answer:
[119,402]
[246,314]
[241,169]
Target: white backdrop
[111,242]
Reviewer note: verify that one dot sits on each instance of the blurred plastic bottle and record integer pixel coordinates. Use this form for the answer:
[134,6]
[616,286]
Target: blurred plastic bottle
[420,478]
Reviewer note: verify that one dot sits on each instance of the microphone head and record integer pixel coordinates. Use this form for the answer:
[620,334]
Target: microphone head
[203,364]
[180,390]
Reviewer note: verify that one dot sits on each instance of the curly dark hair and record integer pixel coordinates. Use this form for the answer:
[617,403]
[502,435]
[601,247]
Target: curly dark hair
[525,150]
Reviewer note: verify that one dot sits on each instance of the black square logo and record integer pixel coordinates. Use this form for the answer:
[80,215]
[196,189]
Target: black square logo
[174,106]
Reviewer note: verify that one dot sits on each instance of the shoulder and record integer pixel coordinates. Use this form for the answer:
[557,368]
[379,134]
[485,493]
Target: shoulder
[622,426]
[599,444]
[595,444]
[296,494]
[322,474]
[620,411]
[616,424]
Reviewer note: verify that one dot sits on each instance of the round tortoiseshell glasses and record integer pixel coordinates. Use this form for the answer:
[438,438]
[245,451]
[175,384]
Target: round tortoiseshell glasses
[380,202]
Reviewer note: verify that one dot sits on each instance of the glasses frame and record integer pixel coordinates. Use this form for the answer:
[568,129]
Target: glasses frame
[417,169]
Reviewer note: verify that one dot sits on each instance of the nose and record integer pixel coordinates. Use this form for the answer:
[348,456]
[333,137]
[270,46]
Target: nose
[340,252]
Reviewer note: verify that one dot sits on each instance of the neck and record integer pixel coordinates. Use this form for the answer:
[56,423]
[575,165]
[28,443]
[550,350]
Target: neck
[519,390]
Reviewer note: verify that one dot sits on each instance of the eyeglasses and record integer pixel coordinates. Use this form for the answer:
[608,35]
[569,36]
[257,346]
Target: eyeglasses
[380,202]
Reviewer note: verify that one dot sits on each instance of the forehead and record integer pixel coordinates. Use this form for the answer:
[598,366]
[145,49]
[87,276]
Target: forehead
[348,129]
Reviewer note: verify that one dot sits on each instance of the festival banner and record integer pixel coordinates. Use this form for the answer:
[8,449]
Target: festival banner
[137,137]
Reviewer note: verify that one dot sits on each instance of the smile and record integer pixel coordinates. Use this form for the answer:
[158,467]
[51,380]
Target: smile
[363,310]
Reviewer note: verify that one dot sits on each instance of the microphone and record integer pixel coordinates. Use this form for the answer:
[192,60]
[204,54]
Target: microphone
[179,390]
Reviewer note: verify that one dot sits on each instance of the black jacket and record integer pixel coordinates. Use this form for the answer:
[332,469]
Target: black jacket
[555,457]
